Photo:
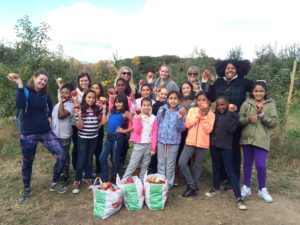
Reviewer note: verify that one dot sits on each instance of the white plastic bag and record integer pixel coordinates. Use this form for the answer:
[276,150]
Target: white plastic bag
[155,193]
[132,189]
[106,202]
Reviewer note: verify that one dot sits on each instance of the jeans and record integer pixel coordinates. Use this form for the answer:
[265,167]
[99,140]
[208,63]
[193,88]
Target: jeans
[74,150]
[113,146]
[98,150]
[85,148]
[219,155]
[66,145]
[28,146]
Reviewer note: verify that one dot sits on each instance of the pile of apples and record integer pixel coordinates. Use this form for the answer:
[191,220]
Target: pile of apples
[155,180]
[129,180]
[107,186]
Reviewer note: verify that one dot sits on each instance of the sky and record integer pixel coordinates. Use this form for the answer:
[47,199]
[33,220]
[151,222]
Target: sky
[93,30]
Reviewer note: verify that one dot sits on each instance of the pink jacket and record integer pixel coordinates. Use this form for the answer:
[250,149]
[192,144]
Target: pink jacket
[136,134]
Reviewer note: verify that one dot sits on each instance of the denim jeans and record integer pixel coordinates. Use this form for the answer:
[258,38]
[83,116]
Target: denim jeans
[219,155]
[113,146]
[98,150]
[66,143]
[85,149]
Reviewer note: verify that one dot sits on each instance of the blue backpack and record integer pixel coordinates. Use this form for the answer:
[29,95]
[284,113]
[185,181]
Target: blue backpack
[20,111]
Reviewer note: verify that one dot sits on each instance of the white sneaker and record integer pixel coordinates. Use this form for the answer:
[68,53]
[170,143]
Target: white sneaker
[264,194]
[245,191]
[76,187]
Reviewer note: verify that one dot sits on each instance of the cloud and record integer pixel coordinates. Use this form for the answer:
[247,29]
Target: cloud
[91,33]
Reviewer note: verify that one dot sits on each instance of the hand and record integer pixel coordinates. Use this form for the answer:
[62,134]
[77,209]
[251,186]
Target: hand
[63,99]
[137,116]
[205,75]
[59,82]
[150,78]
[232,108]
[121,130]
[182,112]
[252,118]
[152,152]
[15,78]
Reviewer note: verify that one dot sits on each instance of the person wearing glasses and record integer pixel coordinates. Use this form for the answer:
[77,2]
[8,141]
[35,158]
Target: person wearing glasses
[126,73]
[193,73]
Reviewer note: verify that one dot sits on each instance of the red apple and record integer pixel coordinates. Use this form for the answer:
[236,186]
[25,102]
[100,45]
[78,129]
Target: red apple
[206,73]
[259,106]
[106,185]
[182,111]
[74,93]
[158,90]
[129,180]
[111,188]
[138,111]
[197,88]
[232,107]
[141,82]
[111,91]
[116,204]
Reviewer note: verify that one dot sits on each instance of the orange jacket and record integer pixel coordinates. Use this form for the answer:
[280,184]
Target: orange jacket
[199,128]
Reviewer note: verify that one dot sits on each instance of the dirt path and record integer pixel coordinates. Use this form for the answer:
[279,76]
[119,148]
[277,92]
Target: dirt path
[50,208]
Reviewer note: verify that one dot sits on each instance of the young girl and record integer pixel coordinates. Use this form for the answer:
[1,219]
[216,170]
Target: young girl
[170,126]
[258,116]
[199,122]
[146,92]
[88,123]
[36,106]
[61,124]
[144,136]
[98,89]
[118,125]
[225,125]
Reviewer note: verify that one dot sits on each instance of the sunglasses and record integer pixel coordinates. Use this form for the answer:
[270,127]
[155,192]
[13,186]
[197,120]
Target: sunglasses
[193,74]
[126,73]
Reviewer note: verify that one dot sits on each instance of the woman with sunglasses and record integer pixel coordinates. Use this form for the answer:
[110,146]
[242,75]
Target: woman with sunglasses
[126,73]
[193,77]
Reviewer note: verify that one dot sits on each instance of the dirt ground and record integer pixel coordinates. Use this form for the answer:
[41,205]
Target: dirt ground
[53,208]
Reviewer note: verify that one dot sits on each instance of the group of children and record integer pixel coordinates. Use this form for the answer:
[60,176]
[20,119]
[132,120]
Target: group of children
[178,130]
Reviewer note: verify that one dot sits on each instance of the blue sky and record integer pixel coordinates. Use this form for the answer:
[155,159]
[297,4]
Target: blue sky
[92,30]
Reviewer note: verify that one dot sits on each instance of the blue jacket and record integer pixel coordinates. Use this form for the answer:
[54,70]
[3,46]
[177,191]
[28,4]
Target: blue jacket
[35,119]
[169,125]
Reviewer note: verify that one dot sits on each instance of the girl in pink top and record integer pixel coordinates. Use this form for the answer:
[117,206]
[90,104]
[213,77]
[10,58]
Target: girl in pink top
[144,136]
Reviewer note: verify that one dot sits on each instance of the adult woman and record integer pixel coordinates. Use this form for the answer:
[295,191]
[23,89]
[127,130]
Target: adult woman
[193,77]
[83,84]
[164,80]
[36,107]
[126,73]
[232,84]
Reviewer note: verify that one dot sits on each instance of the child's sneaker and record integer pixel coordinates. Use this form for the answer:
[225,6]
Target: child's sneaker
[24,195]
[241,204]
[59,187]
[212,193]
[76,187]
[245,191]
[264,194]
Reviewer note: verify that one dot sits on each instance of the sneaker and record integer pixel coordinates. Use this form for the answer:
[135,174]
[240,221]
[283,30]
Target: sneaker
[76,187]
[24,195]
[245,191]
[241,204]
[228,187]
[90,183]
[190,192]
[59,187]
[264,194]
[212,193]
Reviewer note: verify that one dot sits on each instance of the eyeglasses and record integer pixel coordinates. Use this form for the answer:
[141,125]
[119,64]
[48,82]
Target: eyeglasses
[193,74]
[126,73]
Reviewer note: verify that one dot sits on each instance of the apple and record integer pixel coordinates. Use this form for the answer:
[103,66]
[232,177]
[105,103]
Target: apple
[232,107]
[158,90]
[116,204]
[111,91]
[259,106]
[111,188]
[106,185]
[206,73]
[204,106]
[197,87]
[129,180]
[74,93]
[182,111]
[138,111]
[141,82]
[98,103]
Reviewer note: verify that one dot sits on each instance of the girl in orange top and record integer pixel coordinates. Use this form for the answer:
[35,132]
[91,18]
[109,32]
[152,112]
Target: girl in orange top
[199,122]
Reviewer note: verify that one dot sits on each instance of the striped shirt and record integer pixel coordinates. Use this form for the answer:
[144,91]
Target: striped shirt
[90,125]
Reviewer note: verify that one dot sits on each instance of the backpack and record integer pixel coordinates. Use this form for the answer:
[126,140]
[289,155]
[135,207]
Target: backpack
[20,111]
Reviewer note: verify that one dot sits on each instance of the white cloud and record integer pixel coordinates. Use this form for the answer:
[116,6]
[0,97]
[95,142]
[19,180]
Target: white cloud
[91,33]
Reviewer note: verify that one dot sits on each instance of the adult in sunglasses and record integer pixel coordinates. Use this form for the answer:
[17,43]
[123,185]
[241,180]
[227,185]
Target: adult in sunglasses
[232,84]
[126,73]
[193,76]
[164,81]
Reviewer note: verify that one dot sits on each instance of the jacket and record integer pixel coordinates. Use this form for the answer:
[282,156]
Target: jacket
[199,129]
[170,125]
[258,133]
[39,108]
[136,133]
[224,127]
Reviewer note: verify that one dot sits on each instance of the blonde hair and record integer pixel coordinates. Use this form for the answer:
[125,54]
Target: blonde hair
[130,82]
[193,68]
[169,69]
